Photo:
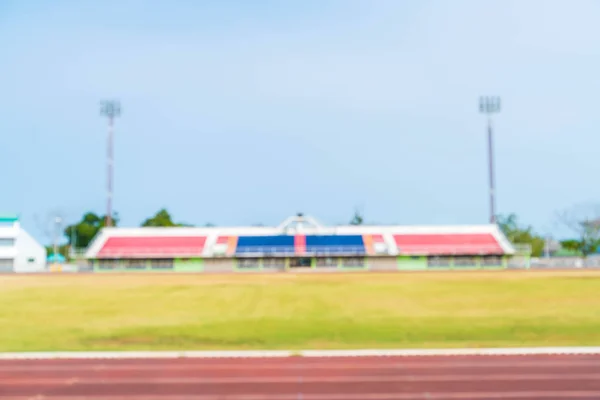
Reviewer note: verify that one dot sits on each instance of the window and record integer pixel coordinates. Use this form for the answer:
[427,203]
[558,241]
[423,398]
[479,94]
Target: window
[275,263]
[491,261]
[7,242]
[327,262]
[6,264]
[465,261]
[108,264]
[300,262]
[438,262]
[161,264]
[248,263]
[135,264]
[353,262]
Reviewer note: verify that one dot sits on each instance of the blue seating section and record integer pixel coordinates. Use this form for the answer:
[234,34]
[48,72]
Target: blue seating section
[282,244]
[335,244]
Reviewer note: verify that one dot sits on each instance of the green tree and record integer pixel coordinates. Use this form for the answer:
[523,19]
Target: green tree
[161,219]
[585,245]
[81,234]
[572,245]
[584,222]
[357,219]
[63,249]
[520,234]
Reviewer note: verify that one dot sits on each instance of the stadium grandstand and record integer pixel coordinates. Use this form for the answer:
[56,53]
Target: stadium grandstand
[299,243]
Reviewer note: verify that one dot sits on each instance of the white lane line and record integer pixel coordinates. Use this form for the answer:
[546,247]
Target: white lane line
[306,380]
[143,355]
[454,352]
[385,365]
[538,395]
[305,353]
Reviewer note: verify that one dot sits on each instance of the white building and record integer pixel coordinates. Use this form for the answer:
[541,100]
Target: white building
[19,252]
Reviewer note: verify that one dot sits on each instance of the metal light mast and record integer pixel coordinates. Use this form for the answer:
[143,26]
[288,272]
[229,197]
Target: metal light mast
[57,226]
[490,105]
[110,109]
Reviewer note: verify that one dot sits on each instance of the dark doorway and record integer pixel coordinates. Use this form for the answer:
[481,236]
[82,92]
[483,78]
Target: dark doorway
[300,262]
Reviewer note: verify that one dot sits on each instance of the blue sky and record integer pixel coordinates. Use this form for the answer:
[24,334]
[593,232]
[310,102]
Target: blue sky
[242,112]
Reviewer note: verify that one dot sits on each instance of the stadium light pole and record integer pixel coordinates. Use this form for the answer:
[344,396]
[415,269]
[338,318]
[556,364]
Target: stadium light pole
[110,109]
[490,105]
[57,222]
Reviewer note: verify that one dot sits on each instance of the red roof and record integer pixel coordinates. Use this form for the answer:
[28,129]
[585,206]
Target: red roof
[222,240]
[378,238]
[438,244]
[161,246]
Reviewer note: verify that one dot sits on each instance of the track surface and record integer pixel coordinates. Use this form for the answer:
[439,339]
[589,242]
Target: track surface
[304,378]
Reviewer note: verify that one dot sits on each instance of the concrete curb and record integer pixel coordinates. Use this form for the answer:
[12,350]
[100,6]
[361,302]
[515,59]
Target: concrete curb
[301,353]
[144,354]
[454,352]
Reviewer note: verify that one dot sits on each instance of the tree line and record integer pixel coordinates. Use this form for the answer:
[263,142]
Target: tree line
[582,221]
[79,235]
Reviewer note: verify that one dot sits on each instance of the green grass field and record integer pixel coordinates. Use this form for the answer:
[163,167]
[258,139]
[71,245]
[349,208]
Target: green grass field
[286,311]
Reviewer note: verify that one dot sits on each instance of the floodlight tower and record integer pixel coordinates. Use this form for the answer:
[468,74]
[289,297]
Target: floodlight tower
[490,105]
[110,109]
[57,225]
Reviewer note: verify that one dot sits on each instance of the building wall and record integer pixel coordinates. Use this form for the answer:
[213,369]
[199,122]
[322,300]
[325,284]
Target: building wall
[19,252]
[219,265]
[341,264]
[382,264]
[31,256]
[8,251]
[143,265]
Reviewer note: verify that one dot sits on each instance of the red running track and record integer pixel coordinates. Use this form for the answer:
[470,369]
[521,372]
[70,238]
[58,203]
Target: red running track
[303,378]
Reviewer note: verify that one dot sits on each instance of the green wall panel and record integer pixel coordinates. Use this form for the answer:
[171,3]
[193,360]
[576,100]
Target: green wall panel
[412,263]
[189,265]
